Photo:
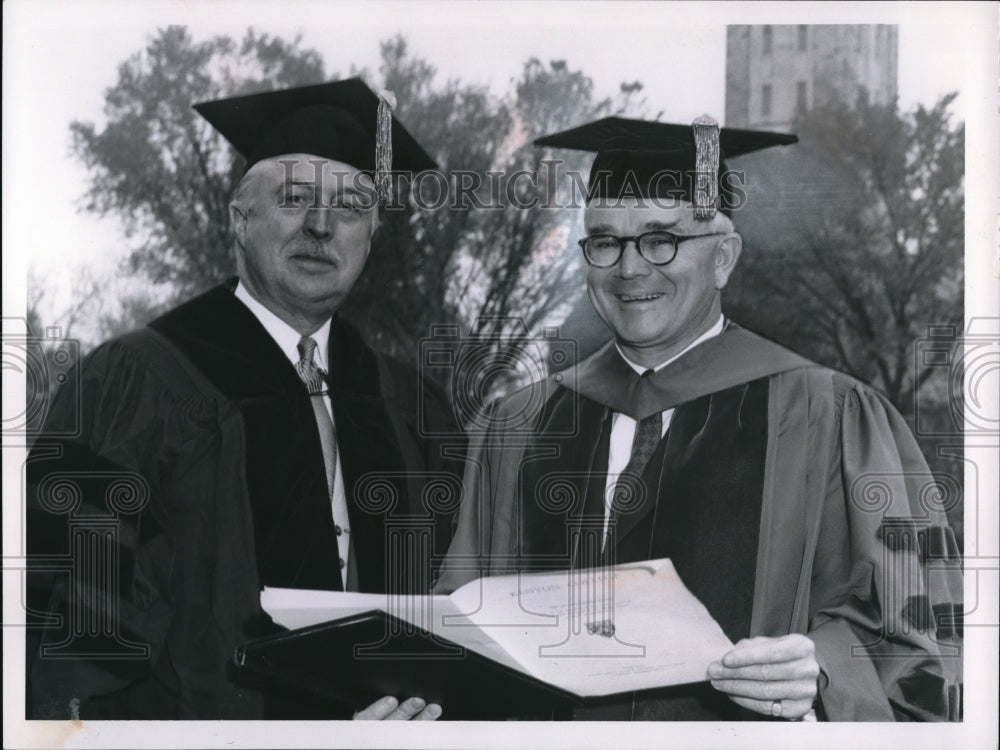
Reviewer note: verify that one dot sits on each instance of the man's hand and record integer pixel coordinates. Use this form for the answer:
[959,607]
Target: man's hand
[390,709]
[772,676]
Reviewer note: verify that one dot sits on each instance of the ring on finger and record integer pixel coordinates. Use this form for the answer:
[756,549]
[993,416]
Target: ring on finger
[776,709]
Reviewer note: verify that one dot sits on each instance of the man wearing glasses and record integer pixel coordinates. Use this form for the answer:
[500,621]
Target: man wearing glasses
[689,437]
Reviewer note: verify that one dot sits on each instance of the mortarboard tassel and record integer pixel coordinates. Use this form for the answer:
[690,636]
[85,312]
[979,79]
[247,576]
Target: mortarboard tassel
[383,146]
[706,188]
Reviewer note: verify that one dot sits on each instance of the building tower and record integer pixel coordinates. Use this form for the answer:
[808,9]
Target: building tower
[774,71]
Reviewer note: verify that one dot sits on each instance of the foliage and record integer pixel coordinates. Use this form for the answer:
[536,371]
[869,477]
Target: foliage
[496,260]
[169,177]
[857,247]
[161,169]
[878,254]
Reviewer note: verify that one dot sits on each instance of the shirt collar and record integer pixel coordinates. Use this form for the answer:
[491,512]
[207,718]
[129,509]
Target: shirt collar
[715,330]
[286,337]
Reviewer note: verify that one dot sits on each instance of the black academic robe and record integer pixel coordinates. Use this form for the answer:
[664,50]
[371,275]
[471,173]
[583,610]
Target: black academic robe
[188,474]
[790,498]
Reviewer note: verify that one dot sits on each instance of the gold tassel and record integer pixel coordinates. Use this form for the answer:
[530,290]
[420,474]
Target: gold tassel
[383,146]
[706,186]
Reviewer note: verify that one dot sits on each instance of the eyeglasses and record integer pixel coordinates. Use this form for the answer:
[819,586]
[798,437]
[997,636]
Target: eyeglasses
[658,248]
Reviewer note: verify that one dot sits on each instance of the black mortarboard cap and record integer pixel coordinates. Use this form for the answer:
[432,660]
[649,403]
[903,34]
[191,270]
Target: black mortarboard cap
[663,160]
[343,120]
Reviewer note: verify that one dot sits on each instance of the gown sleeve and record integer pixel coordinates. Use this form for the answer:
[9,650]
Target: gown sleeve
[118,448]
[886,585]
[482,543]
[467,557]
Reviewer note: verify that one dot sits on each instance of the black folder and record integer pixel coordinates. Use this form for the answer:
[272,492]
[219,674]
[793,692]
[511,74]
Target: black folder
[358,659]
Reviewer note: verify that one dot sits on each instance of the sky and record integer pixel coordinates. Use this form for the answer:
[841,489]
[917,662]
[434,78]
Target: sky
[60,57]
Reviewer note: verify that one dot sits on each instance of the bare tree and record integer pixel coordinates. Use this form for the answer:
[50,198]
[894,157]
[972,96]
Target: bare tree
[878,252]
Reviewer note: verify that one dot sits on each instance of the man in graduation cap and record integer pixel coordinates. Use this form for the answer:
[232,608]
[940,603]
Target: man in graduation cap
[247,426]
[789,497]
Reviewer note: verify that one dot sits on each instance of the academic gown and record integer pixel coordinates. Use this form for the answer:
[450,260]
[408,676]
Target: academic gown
[791,499]
[188,476]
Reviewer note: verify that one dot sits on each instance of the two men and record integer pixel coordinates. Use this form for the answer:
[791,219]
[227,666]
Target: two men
[244,424]
[791,499]
[245,428]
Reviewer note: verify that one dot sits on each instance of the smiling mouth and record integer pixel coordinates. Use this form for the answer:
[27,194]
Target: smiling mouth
[638,297]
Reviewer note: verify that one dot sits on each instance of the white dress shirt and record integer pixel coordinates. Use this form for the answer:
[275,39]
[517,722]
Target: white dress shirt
[287,338]
[623,426]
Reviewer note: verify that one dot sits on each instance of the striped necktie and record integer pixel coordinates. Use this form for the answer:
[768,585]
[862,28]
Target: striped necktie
[306,367]
[315,382]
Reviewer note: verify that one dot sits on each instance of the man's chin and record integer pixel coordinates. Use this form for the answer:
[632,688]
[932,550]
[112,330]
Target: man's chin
[649,349]
[640,338]
[310,293]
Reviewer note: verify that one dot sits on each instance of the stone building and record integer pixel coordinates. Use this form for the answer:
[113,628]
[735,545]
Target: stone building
[773,71]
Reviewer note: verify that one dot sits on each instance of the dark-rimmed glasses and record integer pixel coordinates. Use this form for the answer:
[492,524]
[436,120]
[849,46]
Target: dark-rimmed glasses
[658,248]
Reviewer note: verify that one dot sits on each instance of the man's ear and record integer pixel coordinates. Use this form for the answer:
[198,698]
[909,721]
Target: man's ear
[726,258]
[238,218]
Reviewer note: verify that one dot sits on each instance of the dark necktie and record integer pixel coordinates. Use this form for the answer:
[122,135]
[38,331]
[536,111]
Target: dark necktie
[629,491]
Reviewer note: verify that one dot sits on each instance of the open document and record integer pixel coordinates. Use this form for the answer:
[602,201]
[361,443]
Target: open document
[591,632]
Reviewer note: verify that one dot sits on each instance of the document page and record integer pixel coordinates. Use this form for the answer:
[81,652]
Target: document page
[594,632]
[598,631]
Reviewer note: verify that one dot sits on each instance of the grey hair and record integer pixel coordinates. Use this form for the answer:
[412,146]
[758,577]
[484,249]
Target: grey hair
[241,196]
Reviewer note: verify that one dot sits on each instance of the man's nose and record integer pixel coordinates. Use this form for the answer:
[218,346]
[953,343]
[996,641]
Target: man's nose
[319,223]
[632,264]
